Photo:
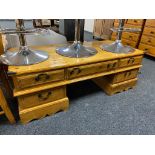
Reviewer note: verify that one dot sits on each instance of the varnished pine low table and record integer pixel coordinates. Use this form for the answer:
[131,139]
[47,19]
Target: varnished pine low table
[41,88]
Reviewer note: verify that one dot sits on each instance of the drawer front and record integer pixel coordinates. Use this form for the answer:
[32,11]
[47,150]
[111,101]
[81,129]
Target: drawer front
[38,98]
[123,76]
[129,36]
[129,26]
[129,43]
[147,48]
[148,40]
[149,31]
[91,69]
[135,21]
[130,61]
[113,36]
[38,78]
[150,22]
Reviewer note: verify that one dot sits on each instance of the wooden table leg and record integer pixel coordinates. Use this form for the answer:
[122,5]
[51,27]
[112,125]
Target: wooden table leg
[6,108]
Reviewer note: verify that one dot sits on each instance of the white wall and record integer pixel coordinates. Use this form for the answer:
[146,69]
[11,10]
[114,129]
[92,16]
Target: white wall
[89,25]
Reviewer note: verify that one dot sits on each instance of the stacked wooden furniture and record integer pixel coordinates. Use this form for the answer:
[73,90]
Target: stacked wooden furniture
[102,28]
[41,88]
[130,38]
[147,42]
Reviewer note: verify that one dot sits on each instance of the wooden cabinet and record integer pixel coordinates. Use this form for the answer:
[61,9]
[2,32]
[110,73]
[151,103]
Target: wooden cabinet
[102,28]
[147,42]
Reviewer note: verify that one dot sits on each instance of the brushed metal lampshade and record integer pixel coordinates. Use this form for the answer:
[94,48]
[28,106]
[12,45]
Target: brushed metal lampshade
[117,46]
[76,50]
[24,56]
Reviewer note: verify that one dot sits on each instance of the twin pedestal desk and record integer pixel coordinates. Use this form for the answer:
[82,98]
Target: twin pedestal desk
[41,88]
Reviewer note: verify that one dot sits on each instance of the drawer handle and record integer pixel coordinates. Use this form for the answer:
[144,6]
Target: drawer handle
[108,66]
[131,60]
[114,64]
[42,76]
[146,49]
[78,70]
[149,41]
[127,74]
[152,32]
[42,97]
[130,37]
[135,21]
[111,65]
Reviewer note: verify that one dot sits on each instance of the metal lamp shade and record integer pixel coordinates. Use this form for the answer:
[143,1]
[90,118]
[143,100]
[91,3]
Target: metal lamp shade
[117,46]
[76,50]
[24,56]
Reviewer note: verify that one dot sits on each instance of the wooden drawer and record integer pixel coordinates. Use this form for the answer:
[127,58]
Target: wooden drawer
[117,21]
[123,76]
[38,78]
[128,36]
[148,49]
[111,89]
[150,22]
[91,69]
[132,21]
[149,31]
[148,40]
[129,42]
[135,21]
[42,97]
[131,36]
[129,26]
[130,61]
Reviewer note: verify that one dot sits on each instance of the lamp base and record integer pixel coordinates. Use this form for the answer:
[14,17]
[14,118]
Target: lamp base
[76,50]
[23,57]
[117,47]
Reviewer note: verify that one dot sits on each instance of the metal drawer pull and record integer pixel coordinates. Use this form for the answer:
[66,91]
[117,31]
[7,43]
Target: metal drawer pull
[77,70]
[131,60]
[42,97]
[152,32]
[110,66]
[130,37]
[114,65]
[127,74]
[42,76]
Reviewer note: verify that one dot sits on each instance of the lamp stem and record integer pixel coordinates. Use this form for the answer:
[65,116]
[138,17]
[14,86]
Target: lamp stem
[20,27]
[77,30]
[120,28]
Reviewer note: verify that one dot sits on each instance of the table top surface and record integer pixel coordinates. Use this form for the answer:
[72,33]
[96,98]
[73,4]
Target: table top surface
[56,61]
